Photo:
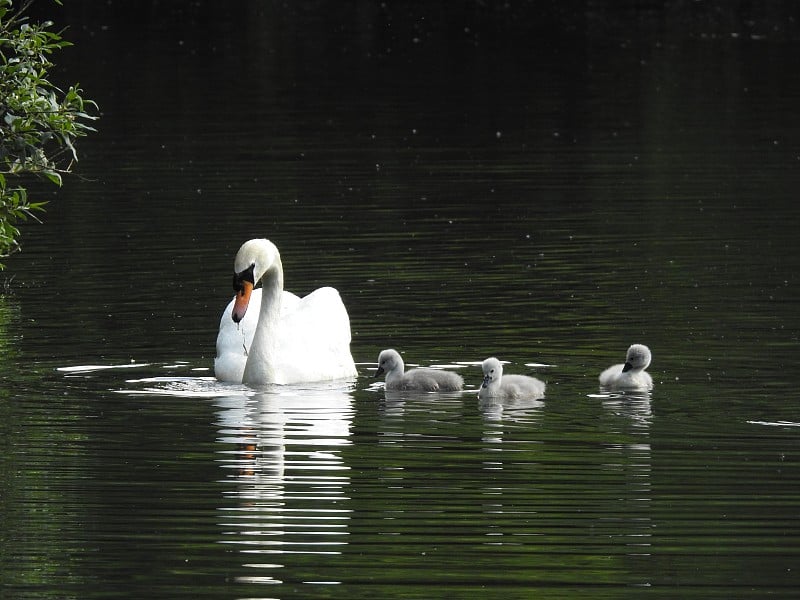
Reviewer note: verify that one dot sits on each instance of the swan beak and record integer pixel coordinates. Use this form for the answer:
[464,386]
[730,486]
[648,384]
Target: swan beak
[242,300]
[485,382]
[626,367]
[380,371]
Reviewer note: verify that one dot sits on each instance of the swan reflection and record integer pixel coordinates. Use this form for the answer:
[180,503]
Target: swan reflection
[281,453]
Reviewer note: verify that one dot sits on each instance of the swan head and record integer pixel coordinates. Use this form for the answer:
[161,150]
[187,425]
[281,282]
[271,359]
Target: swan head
[492,371]
[252,261]
[389,361]
[638,357]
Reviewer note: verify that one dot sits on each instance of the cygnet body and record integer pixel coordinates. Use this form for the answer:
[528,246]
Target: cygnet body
[497,385]
[632,374]
[423,380]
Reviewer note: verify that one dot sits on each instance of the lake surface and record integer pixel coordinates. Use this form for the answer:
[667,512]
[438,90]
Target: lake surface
[544,187]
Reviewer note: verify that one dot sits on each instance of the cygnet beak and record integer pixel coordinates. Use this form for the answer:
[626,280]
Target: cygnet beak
[626,367]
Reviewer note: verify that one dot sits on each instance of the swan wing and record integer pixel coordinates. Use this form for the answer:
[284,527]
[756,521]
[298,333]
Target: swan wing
[432,380]
[522,386]
[609,376]
[315,339]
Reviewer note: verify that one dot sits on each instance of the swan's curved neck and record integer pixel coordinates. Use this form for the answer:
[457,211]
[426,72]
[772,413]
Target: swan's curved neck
[262,360]
[272,283]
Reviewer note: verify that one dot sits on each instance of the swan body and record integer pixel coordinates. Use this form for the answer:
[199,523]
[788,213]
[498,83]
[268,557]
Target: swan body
[273,336]
[424,380]
[631,375]
[497,385]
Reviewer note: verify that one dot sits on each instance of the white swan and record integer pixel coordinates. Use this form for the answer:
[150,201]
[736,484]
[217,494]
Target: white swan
[497,385]
[272,336]
[423,380]
[632,374]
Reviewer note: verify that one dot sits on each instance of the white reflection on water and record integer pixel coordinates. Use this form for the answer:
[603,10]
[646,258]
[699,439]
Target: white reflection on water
[281,453]
[280,449]
[632,460]
[775,423]
[526,410]
[598,484]
[84,369]
[633,405]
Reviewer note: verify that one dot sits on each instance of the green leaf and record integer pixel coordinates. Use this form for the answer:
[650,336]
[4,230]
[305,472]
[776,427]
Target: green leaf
[53,177]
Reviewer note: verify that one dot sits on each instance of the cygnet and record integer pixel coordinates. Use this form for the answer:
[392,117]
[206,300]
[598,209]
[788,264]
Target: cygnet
[632,374]
[497,385]
[423,380]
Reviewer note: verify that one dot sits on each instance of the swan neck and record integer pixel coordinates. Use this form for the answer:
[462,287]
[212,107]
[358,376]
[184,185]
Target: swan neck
[262,360]
[272,284]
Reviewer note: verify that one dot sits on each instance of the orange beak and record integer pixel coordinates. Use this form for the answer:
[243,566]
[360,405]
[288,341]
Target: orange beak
[242,300]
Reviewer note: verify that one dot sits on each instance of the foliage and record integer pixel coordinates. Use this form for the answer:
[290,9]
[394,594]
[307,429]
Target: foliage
[39,123]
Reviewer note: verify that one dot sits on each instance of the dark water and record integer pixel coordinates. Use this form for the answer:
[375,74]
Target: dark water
[547,187]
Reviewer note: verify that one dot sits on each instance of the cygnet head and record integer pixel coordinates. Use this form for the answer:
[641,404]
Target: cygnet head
[492,371]
[637,358]
[389,361]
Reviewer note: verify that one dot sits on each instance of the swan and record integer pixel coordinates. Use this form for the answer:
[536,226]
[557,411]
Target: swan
[269,335]
[632,374]
[497,385]
[423,380]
